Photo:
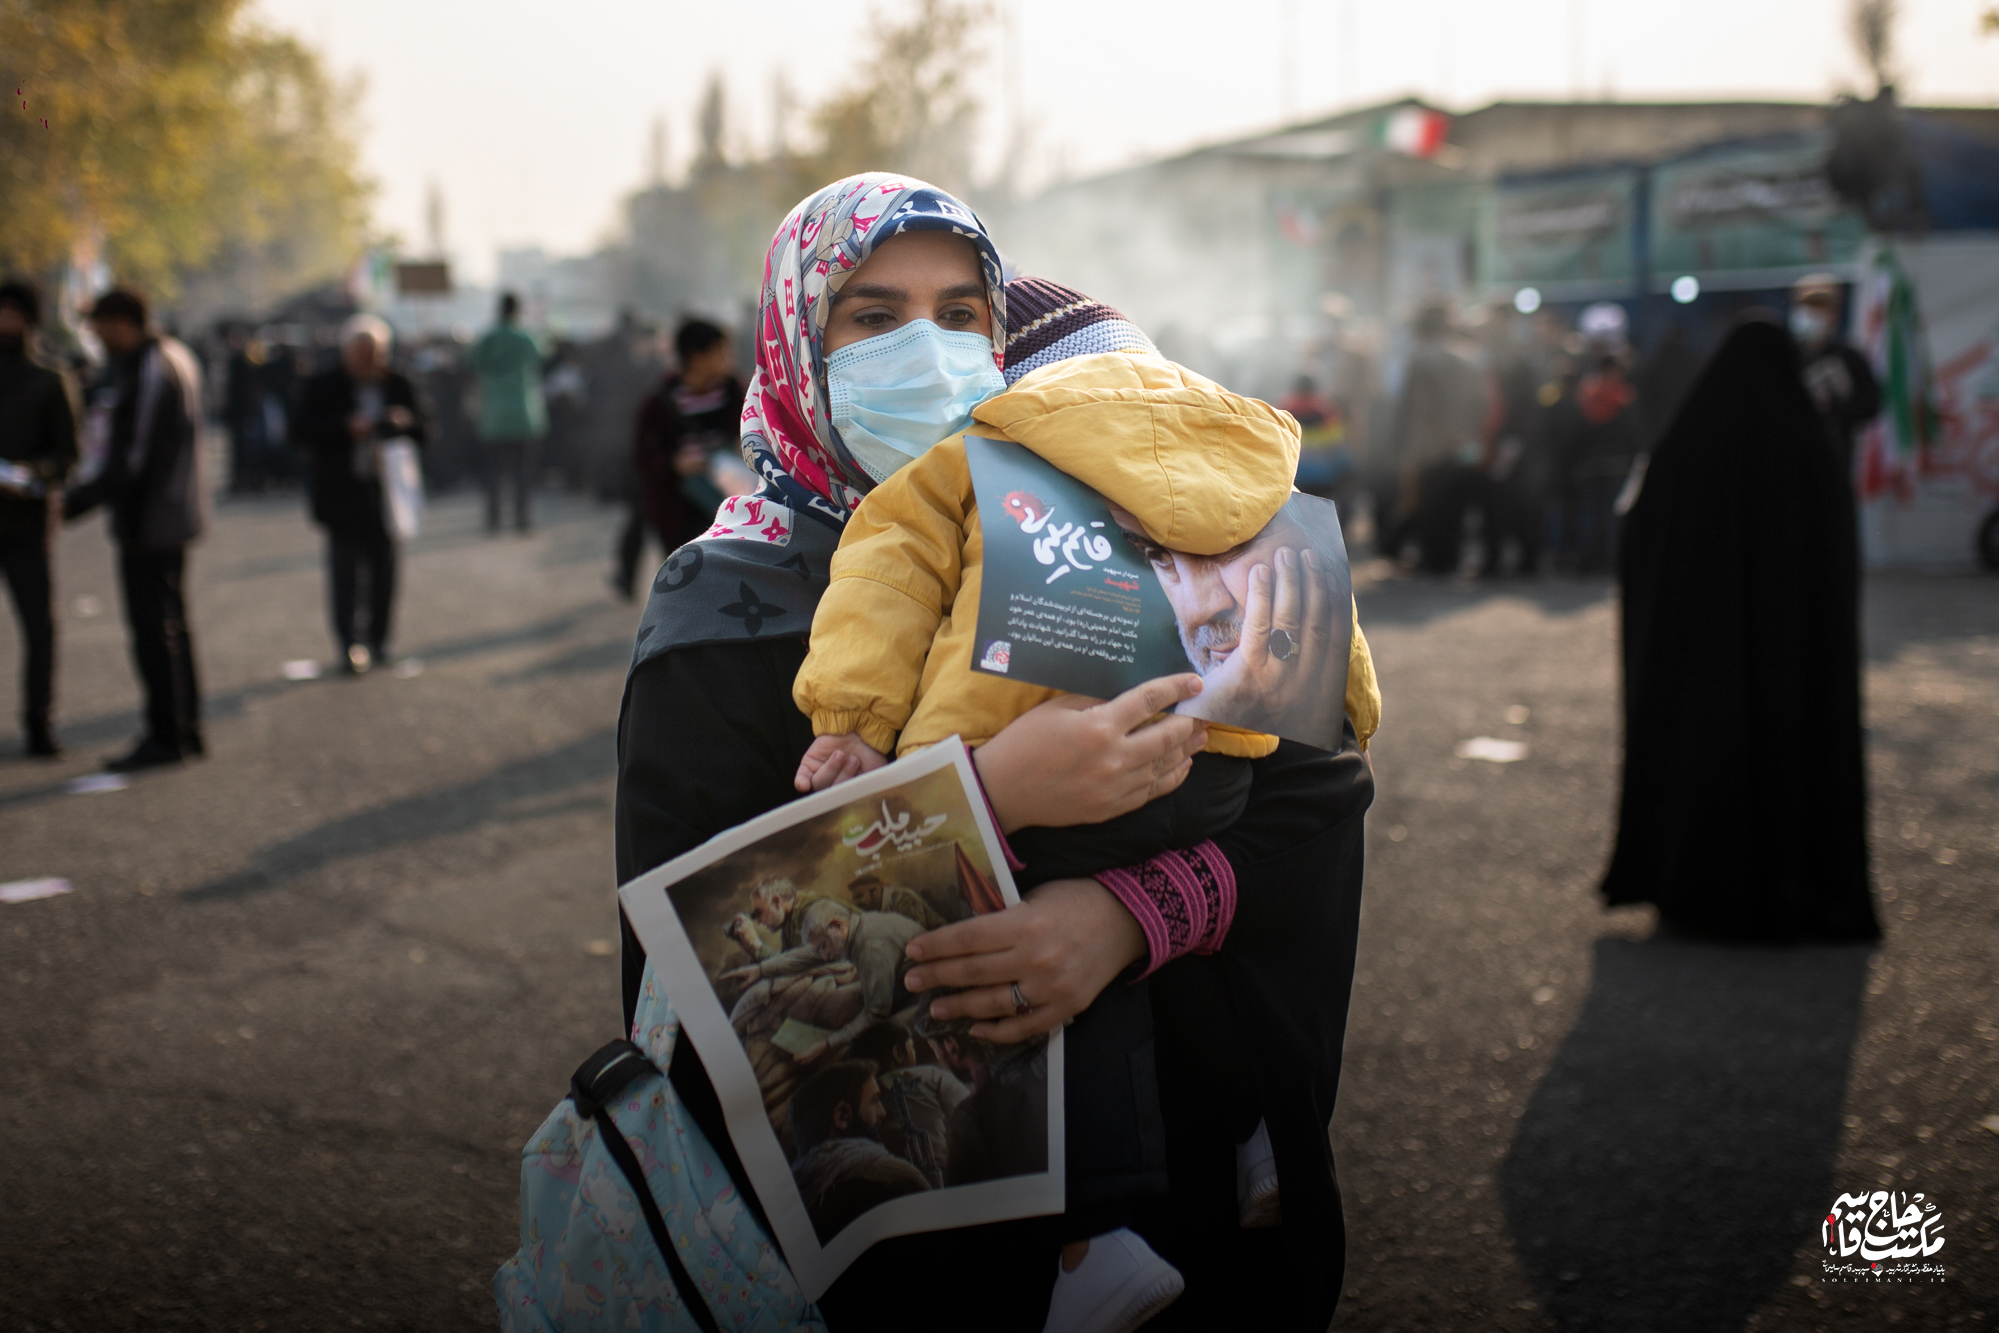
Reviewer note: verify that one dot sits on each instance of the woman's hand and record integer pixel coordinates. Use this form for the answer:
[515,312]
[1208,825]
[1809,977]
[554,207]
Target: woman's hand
[1257,689]
[1062,945]
[1072,761]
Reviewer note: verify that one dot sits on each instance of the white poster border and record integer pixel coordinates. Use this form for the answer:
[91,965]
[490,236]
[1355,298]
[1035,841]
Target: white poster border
[704,1022]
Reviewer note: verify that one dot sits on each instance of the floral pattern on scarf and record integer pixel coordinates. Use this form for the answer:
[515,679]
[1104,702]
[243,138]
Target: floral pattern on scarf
[788,437]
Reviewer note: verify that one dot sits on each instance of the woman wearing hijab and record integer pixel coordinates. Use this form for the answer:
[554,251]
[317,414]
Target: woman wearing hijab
[709,737]
[1744,813]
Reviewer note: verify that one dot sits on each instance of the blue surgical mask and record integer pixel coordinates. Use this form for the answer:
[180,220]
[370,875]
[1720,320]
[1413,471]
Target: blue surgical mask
[896,394]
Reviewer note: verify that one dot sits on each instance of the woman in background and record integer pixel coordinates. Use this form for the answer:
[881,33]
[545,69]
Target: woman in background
[1744,812]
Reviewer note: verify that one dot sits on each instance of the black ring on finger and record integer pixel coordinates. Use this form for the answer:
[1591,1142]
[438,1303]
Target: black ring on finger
[1021,1007]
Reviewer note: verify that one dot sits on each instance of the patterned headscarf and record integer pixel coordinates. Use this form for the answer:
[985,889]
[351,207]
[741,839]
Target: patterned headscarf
[788,436]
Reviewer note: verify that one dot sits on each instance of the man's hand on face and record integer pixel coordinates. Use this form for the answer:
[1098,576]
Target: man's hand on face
[1256,688]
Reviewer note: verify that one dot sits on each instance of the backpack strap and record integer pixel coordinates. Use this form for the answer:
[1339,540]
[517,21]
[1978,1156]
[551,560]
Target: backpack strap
[596,1082]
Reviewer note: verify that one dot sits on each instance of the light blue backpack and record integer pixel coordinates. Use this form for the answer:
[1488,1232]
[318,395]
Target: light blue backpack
[628,1217]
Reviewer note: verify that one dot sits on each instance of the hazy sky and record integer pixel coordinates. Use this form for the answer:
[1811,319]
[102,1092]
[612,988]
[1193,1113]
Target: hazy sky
[534,118]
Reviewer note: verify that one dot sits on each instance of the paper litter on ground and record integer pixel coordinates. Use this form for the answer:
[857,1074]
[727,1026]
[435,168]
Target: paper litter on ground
[27,890]
[1493,749]
[301,669]
[93,782]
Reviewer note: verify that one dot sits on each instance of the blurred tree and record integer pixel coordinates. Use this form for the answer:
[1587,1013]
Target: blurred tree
[184,144]
[915,106]
[714,103]
[1871,24]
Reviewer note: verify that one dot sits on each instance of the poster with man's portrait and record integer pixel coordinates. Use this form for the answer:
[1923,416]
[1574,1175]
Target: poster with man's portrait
[783,947]
[1076,596]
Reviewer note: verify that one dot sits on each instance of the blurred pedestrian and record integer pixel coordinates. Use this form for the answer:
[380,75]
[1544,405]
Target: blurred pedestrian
[621,367]
[143,411]
[1440,419]
[1741,623]
[442,386]
[37,451]
[1838,378]
[1596,433]
[1516,465]
[513,416]
[1324,463]
[254,400]
[566,390]
[344,416]
[694,414]
[1663,381]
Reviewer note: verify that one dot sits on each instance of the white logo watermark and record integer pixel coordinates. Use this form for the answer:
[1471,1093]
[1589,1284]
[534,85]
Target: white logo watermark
[999,653]
[1883,1236]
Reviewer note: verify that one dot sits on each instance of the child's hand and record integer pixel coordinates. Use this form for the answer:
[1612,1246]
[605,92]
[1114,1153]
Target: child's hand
[834,759]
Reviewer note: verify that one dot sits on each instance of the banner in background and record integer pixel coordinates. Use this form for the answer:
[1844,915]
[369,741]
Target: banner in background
[1750,208]
[1577,229]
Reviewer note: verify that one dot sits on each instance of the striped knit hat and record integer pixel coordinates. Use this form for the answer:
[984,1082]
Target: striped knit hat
[1046,323]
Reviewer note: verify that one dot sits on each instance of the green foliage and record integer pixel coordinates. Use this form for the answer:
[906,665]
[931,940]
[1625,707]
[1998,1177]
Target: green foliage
[182,142]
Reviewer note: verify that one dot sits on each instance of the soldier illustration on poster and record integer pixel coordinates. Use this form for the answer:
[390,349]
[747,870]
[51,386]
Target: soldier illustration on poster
[785,947]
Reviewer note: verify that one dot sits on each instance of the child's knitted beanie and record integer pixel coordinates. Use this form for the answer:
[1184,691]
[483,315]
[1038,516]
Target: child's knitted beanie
[1047,322]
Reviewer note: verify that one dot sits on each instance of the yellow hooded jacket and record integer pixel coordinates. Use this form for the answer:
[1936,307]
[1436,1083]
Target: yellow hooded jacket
[1202,469]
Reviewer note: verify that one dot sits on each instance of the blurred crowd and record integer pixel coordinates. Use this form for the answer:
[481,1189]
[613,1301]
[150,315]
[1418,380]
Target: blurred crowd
[326,404]
[1510,443]
[1496,443]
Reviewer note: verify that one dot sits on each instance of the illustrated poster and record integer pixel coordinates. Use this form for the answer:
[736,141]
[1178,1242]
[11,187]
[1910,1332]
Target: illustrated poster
[1075,596]
[782,947]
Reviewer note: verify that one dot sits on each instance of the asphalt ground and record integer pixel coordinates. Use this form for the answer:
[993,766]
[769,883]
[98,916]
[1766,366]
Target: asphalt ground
[269,1065]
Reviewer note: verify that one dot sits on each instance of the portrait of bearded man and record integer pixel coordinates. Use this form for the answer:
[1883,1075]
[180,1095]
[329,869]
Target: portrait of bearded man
[1267,624]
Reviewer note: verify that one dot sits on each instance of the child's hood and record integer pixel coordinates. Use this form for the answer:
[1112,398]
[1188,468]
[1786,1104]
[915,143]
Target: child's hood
[1201,468]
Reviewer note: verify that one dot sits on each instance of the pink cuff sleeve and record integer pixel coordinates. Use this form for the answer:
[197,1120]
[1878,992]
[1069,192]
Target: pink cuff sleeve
[1006,848]
[1183,900]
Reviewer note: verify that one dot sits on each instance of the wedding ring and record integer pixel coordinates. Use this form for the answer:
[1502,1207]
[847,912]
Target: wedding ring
[1282,646]
[1020,1004]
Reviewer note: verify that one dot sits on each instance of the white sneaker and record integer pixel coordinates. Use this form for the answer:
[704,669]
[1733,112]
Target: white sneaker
[1119,1285]
[1256,1180]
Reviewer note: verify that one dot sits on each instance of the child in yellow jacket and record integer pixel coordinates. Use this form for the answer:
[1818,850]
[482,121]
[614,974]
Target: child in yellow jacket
[890,665]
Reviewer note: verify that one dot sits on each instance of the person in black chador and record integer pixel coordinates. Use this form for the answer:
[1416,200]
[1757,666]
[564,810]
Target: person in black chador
[1740,580]
[343,415]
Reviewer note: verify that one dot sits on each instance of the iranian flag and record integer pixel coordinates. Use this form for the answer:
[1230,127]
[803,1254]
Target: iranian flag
[1413,131]
[1890,325]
